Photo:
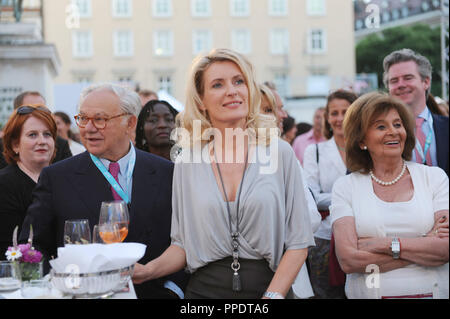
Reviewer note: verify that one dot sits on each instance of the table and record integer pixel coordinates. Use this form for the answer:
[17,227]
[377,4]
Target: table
[131,294]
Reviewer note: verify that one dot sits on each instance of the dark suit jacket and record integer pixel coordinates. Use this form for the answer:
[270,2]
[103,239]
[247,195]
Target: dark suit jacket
[62,151]
[441,132]
[74,189]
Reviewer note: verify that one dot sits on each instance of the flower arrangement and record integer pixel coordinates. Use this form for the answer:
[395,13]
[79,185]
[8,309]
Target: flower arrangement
[27,259]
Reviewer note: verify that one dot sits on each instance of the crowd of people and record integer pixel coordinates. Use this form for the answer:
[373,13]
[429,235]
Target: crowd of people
[365,185]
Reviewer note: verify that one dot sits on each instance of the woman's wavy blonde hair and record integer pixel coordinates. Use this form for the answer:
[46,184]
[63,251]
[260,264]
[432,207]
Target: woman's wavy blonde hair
[195,91]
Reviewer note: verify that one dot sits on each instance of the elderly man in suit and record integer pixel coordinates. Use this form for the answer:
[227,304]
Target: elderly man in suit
[407,76]
[75,188]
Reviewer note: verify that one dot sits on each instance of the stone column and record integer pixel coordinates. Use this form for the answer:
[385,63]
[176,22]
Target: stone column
[26,64]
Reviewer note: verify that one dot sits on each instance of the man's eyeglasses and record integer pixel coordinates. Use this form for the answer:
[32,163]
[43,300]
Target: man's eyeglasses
[27,109]
[98,121]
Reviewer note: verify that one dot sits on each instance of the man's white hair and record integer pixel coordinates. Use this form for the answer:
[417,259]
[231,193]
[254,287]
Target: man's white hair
[129,100]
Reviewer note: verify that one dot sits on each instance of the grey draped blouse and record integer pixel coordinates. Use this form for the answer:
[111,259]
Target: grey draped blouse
[273,213]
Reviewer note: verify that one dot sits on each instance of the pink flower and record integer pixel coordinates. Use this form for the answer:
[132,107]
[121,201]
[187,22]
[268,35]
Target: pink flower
[24,248]
[24,253]
[32,256]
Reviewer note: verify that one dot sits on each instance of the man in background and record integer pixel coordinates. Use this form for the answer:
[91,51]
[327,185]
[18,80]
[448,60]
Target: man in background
[313,136]
[146,96]
[407,76]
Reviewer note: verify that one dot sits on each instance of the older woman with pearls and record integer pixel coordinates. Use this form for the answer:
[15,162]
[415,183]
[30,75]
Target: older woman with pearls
[390,216]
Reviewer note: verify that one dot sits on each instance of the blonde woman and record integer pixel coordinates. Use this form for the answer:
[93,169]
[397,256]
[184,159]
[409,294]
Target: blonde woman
[240,232]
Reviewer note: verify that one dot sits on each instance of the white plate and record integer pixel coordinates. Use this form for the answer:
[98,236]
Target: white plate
[9,283]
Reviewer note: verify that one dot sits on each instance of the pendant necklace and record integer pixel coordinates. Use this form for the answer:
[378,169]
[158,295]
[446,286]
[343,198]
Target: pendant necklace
[235,265]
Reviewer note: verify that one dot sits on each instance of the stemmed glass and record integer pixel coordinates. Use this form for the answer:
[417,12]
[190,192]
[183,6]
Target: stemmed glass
[115,213]
[77,232]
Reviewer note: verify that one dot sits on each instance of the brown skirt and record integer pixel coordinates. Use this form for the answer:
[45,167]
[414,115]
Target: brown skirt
[214,281]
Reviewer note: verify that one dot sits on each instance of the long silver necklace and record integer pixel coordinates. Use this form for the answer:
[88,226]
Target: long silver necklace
[235,265]
[395,180]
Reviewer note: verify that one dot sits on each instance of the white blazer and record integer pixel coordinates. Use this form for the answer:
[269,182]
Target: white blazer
[321,176]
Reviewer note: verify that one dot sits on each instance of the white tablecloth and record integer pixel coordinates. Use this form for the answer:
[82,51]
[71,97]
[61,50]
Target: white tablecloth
[131,294]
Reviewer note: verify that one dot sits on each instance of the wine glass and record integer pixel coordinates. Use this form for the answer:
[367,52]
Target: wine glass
[115,212]
[77,232]
[106,234]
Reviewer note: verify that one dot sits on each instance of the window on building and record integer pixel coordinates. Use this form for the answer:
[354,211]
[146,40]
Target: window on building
[425,6]
[123,43]
[282,83]
[279,41]
[125,79]
[278,7]
[240,8]
[201,8]
[163,43]
[241,41]
[122,8]
[359,24]
[318,84]
[405,12]
[7,96]
[201,41]
[82,44]
[165,83]
[162,8]
[316,7]
[317,41]
[84,8]
[83,79]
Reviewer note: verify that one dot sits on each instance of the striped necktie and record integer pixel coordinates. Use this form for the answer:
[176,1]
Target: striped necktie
[421,138]
[114,169]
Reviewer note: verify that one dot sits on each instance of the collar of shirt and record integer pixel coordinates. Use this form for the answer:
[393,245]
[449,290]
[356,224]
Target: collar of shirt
[310,134]
[123,162]
[426,115]
[427,126]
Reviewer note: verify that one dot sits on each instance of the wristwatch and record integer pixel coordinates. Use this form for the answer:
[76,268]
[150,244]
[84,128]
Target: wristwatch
[273,295]
[395,248]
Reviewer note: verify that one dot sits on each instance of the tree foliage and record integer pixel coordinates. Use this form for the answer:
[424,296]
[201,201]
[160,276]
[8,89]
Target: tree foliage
[421,38]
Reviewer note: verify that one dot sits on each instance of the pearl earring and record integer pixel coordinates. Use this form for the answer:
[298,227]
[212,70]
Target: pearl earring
[365,148]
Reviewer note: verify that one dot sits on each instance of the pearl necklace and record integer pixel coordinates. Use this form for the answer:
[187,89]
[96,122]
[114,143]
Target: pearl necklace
[379,181]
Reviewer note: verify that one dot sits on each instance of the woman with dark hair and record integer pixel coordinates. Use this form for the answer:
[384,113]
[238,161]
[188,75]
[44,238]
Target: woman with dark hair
[324,163]
[63,124]
[29,146]
[155,123]
[289,129]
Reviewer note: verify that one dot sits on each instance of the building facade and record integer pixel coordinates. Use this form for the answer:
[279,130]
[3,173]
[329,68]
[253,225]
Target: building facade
[377,15]
[306,47]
